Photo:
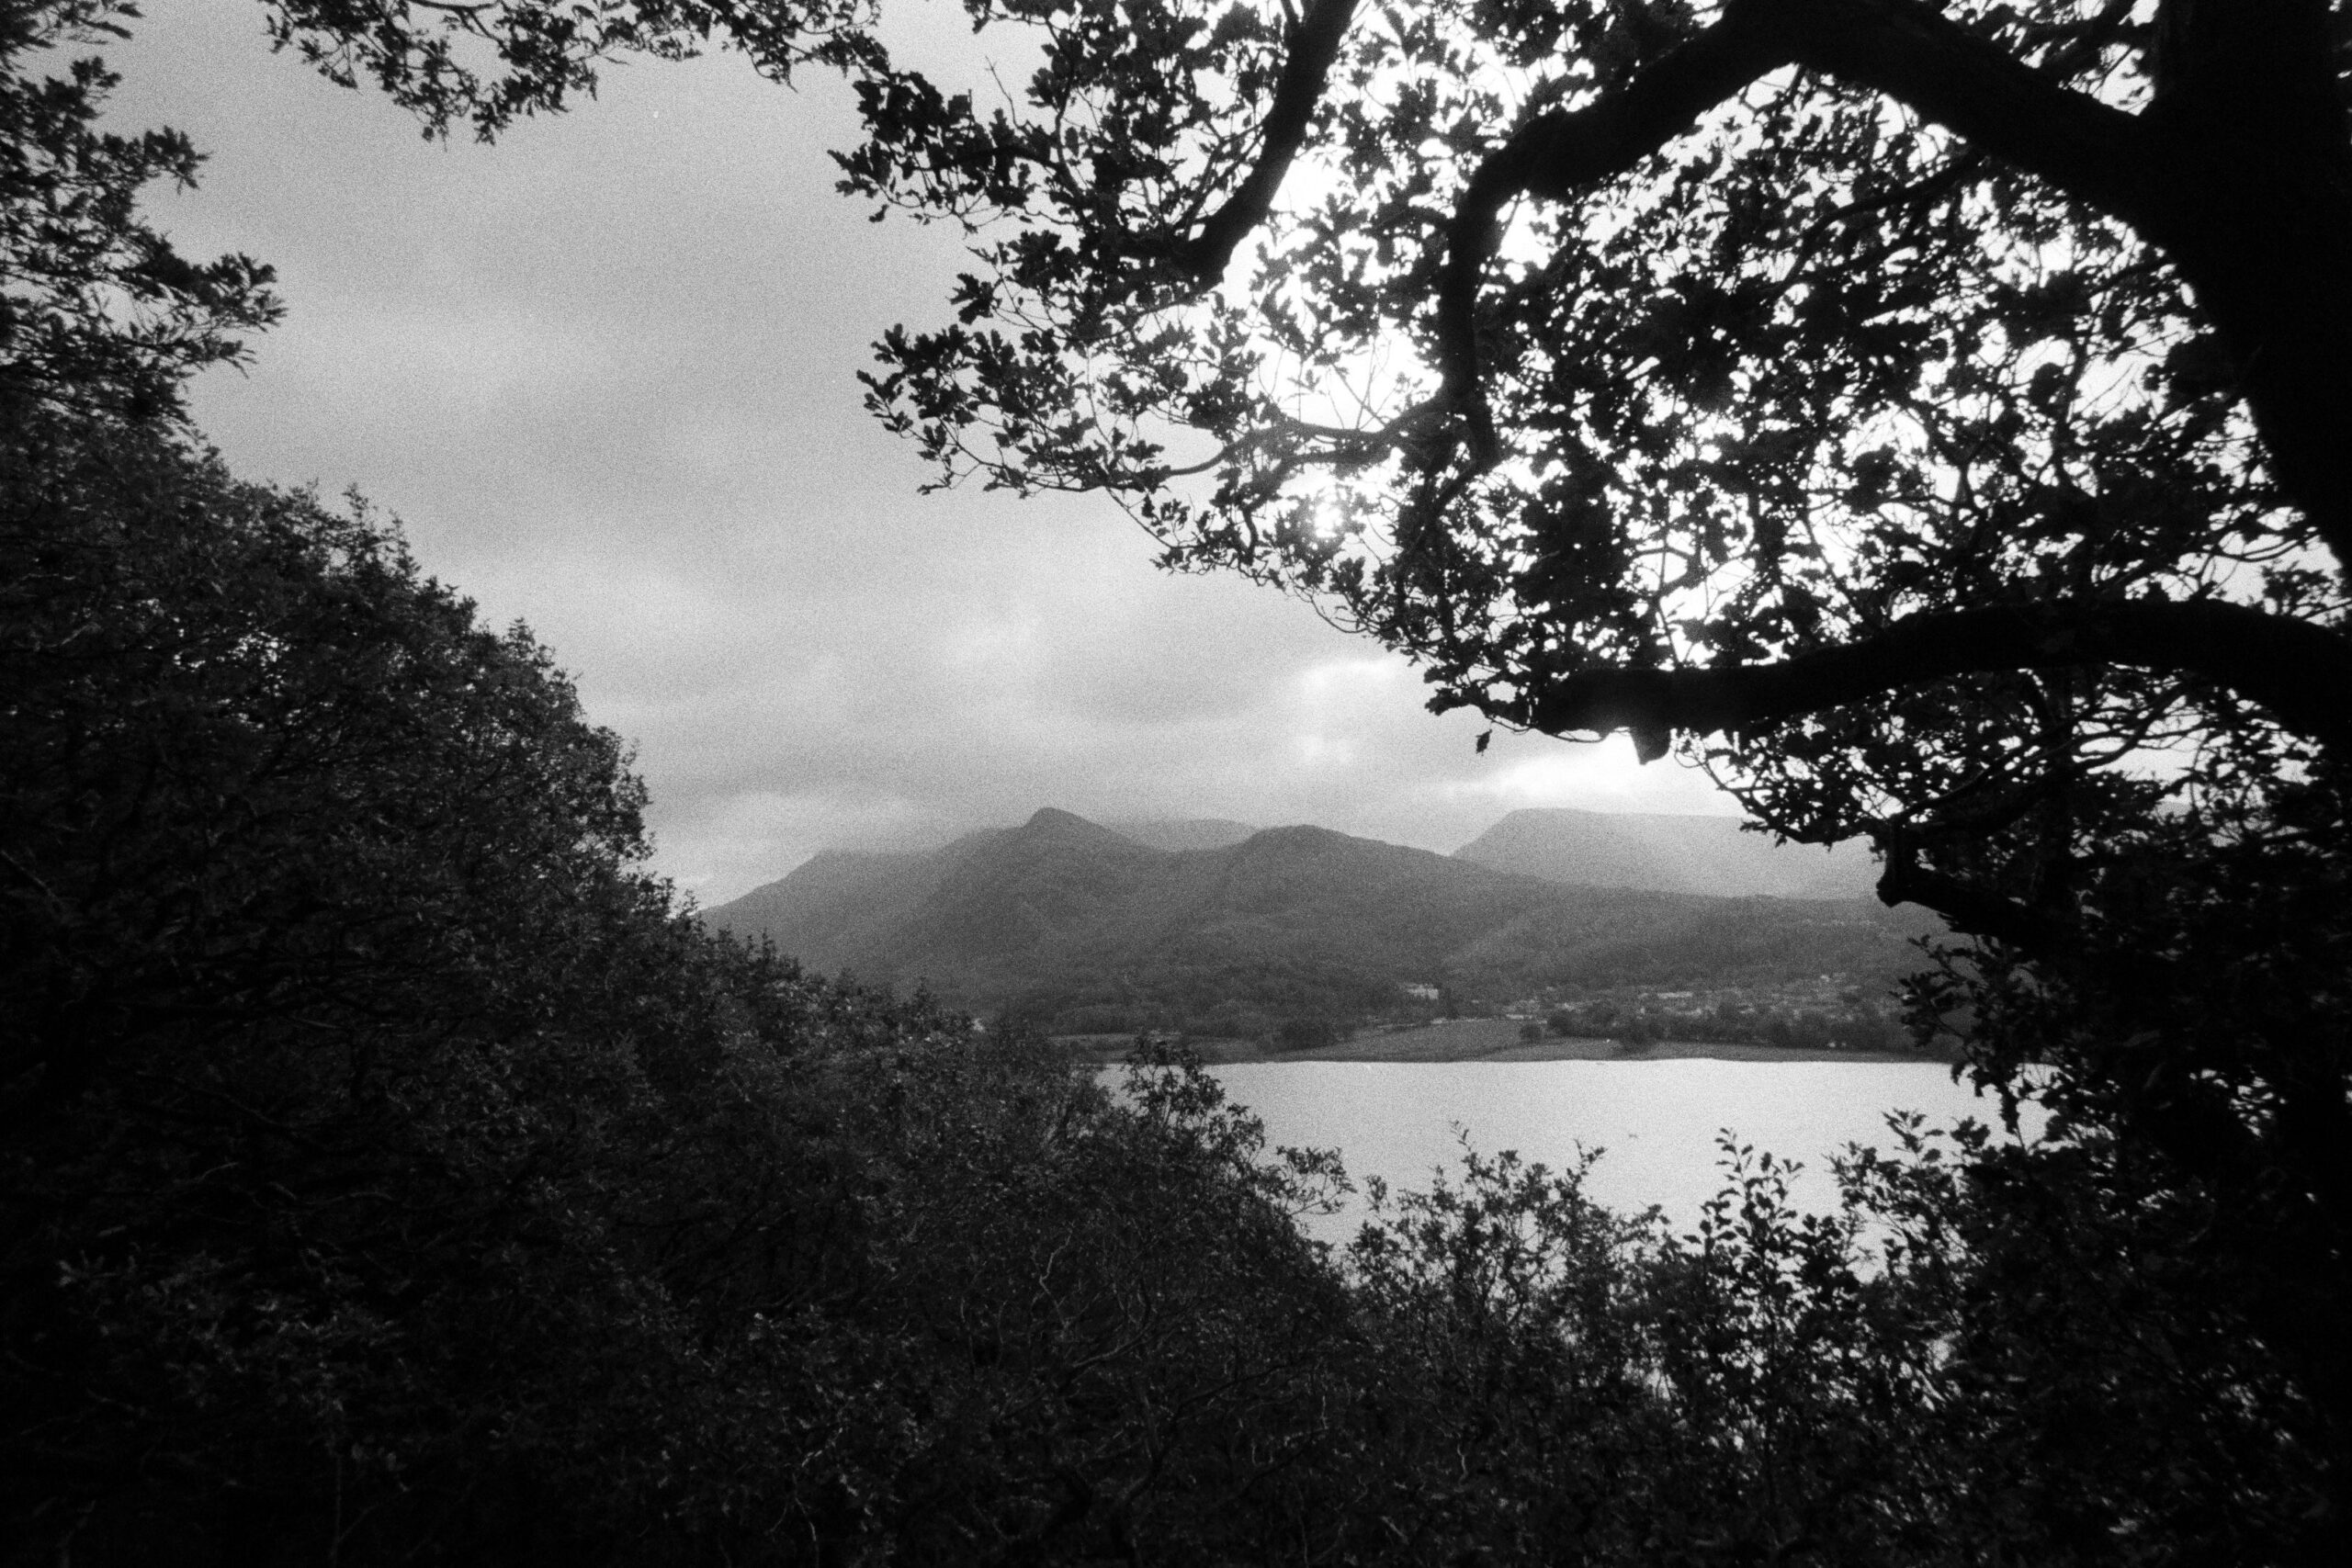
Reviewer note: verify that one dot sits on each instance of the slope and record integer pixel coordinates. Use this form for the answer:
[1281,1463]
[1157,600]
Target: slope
[1661,853]
[1077,927]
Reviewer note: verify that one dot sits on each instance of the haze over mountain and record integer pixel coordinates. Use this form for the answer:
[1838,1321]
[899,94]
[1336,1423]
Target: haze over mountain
[1711,855]
[1197,833]
[1080,927]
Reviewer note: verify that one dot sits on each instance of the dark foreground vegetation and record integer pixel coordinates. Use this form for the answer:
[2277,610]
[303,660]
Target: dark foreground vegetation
[394,1175]
[391,1172]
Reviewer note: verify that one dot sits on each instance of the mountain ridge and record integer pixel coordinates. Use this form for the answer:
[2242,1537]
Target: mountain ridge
[1078,925]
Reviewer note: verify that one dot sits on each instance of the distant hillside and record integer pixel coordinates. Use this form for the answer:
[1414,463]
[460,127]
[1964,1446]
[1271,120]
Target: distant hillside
[1196,833]
[1078,927]
[1710,855]
[985,894]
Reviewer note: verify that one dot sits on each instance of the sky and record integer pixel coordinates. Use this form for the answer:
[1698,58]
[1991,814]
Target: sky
[605,374]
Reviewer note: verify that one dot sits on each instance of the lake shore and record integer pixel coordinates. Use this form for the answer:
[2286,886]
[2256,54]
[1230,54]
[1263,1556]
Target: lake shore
[1483,1040]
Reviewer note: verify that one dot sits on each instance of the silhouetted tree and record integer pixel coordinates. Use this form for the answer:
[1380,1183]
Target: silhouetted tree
[96,307]
[1931,418]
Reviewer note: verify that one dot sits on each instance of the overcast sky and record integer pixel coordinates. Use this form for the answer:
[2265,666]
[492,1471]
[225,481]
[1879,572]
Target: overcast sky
[603,372]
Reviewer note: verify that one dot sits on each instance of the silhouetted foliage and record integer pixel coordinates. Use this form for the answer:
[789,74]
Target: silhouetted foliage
[1936,1375]
[391,1170]
[97,308]
[489,62]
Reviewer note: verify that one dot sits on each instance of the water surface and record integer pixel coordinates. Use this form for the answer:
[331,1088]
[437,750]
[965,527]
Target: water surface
[1657,1122]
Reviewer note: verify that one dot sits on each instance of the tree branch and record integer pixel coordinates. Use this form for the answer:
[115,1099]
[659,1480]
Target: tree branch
[2302,673]
[1557,152]
[1965,906]
[1314,45]
[1977,90]
[1995,102]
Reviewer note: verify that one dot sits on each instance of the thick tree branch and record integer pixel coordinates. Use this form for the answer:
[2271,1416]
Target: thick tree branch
[2240,174]
[1977,90]
[2248,125]
[1314,45]
[1966,906]
[1555,153]
[2302,673]
[1997,103]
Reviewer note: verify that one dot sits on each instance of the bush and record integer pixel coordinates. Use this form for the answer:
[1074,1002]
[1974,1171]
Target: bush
[391,1171]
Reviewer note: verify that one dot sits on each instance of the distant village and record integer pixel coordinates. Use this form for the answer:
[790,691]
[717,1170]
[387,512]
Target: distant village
[1826,1012]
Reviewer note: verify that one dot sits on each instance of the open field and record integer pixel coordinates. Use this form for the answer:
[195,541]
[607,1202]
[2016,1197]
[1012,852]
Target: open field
[1479,1040]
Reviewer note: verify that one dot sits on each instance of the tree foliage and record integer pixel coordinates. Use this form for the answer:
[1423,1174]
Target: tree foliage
[96,307]
[389,1171]
[1679,370]
[488,62]
[1980,1382]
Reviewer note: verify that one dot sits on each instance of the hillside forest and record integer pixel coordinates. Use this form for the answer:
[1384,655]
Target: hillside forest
[1299,934]
[393,1170]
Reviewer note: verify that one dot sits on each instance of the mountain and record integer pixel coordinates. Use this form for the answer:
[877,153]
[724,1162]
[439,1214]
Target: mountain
[969,902]
[1080,927]
[996,909]
[1196,833]
[1711,855]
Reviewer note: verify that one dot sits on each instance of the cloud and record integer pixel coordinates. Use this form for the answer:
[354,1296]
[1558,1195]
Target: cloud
[605,373]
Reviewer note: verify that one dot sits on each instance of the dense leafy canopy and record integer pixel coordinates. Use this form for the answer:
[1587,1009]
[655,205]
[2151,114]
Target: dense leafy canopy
[1577,348]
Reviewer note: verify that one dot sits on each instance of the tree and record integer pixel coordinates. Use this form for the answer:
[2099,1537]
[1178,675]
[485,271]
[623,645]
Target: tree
[1927,401]
[1741,365]
[96,307]
[1569,1385]
[391,1171]
[1930,418]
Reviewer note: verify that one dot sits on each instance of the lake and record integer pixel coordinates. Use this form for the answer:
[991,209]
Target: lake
[1656,1121]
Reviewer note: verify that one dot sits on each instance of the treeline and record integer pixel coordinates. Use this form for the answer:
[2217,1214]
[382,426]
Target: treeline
[1851,1025]
[1619,942]
[1217,995]
[1616,944]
